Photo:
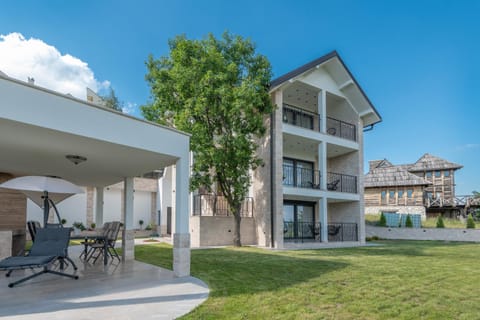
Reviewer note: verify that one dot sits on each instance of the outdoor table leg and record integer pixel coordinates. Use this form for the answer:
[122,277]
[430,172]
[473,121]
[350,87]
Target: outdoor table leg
[85,249]
[105,252]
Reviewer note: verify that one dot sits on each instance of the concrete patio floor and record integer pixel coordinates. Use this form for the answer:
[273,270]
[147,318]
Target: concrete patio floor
[131,290]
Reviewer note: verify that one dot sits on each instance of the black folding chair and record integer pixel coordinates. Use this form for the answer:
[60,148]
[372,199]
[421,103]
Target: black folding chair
[50,246]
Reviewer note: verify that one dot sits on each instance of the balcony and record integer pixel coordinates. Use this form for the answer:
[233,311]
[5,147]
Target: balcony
[299,177]
[212,205]
[341,129]
[301,118]
[310,231]
[309,120]
[341,182]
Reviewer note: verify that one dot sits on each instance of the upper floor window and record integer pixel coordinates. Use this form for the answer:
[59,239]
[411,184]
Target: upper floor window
[446,173]
[400,193]
[438,174]
[392,194]
[428,174]
[409,193]
[384,194]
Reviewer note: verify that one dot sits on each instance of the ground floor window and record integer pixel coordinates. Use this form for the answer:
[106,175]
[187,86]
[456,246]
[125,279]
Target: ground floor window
[299,220]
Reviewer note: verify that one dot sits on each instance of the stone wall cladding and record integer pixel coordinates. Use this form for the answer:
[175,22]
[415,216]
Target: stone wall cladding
[447,234]
[400,209]
[202,236]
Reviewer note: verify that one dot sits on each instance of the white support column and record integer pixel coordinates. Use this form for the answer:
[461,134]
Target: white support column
[128,237]
[322,110]
[181,236]
[99,206]
[323,215]
[322,164]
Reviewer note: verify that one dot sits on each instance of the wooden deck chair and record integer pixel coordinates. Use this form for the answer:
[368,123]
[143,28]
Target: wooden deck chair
[50,246]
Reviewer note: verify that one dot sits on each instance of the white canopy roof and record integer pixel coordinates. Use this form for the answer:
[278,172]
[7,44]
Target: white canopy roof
[39,127]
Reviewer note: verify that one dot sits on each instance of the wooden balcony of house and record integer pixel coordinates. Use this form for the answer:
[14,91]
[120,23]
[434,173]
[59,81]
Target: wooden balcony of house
[457,201]
[312,121]
[217,205]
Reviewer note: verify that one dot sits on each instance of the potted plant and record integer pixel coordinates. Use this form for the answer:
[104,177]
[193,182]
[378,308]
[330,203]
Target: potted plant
[78,227]
[140,222]
[63,221]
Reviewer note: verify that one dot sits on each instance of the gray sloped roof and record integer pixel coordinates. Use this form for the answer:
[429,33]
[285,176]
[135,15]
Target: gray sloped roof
[429,162]
[391,176]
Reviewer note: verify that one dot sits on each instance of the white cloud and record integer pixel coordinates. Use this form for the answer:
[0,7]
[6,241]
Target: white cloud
[129,108]
[468,146]
[21,58]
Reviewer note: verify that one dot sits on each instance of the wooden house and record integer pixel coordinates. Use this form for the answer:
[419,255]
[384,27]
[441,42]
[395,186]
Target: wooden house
[426,187]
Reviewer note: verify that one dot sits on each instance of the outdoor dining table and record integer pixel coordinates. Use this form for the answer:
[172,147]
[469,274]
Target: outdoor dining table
[96,237]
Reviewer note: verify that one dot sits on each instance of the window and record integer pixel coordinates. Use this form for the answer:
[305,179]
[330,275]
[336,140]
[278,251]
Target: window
[392,195]
[298,220]
[446,173]
[409,193]
[400,194]
[438,174]
[384,194]
[428,174]
[297,173]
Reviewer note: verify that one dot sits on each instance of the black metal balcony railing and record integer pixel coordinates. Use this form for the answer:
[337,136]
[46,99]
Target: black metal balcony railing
[341,129]
[301,177]
[300,118]
[341,182]
[337,232]
[212,205]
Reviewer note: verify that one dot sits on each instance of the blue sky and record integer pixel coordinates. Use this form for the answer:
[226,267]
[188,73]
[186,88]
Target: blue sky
[416,60]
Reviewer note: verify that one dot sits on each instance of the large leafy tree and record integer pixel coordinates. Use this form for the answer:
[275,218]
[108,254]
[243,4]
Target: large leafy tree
[217,90]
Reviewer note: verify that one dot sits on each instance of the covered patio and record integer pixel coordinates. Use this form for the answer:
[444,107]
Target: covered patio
[130,290]
[40,127]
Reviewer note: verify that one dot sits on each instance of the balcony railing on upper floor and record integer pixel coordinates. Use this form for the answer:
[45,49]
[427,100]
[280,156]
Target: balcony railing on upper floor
[301,177]
[310,120]
[341,129]
[301,118]
[341,182]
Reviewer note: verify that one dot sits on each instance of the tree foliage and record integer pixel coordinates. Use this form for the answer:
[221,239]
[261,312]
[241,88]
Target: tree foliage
[111,101]
[440,223]
[470,222]
[383,220]
[217,90]
[408,222]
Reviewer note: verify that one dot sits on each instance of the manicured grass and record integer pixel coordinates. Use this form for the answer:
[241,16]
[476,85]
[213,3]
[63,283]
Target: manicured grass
[394,280]
[372,219]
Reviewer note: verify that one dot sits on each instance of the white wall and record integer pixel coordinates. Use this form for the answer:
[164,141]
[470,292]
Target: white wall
[142,208]
[112,205]
[72,209]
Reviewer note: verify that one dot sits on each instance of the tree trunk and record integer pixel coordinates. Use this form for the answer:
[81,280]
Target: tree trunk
[236,230]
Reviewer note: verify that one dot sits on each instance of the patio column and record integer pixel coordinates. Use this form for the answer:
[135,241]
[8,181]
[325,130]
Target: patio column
[322,164]
[181,236]
[322,208]
[128,239]
[99,207]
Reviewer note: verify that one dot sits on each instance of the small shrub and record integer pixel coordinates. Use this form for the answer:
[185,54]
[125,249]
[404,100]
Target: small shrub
[93,225]
[140,222]
[79,226]
[374,238]
[383,221]
[149,226]
[408,222]
[63,221]
[470,222]
[440,223]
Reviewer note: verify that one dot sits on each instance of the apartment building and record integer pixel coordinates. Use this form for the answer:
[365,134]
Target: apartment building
[310,188]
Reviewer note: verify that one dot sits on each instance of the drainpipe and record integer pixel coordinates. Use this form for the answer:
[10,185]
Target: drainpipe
[369,128]
[272,175]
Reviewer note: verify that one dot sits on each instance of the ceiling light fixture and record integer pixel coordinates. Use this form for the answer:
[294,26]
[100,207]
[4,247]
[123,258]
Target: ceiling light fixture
[75,159]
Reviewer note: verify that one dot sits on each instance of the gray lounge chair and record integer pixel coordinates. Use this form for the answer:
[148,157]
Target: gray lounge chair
[50,245]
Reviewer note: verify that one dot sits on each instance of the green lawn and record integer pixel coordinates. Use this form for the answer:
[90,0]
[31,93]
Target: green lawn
[394,280]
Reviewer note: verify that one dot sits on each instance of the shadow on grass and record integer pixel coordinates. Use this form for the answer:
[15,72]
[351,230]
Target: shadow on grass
[231,271]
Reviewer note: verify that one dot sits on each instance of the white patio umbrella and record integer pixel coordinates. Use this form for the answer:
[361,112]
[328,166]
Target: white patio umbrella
[43,191]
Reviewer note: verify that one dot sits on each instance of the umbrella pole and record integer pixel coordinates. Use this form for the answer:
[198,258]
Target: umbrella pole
[46,208]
